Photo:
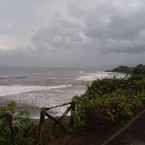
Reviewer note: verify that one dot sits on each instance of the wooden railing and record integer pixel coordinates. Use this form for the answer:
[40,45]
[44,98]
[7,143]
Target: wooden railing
[9,119]
[58,121]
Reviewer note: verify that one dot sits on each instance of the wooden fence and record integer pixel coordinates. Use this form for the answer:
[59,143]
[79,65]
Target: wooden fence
[9,118]
[44,113]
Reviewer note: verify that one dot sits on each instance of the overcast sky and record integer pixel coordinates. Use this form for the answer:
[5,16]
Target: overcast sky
[77,33]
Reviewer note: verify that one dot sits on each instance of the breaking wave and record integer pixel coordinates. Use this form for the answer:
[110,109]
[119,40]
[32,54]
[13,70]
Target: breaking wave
[99,76]
[18,89]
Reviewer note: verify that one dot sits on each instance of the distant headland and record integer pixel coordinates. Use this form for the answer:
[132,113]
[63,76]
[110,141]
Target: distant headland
[138,69]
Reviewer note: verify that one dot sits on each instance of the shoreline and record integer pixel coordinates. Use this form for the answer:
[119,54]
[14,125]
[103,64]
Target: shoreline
[32,101]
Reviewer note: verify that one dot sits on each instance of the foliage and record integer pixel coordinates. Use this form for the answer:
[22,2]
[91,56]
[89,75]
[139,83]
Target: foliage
[111,101]
[138,70]
[4,131]
[123,69]
[22,125]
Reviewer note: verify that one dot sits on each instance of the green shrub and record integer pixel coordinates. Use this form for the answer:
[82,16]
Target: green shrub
[111,100]
[22,126]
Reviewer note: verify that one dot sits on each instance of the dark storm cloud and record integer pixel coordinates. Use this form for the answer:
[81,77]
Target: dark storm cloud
[74,32]
[103,27]
[63,34]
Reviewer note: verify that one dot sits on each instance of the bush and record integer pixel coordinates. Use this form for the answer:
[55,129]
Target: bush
[22,126]
[110,101]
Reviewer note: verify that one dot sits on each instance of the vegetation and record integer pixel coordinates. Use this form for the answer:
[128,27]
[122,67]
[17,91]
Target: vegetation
[110,101]
[122,69]
[22,126]
[139,69]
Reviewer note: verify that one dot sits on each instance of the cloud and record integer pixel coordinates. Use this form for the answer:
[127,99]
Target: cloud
[108,27]
[76,31]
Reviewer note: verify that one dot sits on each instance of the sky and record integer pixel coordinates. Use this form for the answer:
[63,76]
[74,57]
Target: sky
[72,33]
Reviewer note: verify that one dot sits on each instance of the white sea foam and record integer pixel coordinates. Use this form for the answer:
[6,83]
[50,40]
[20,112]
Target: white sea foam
[28,95]
[18,89]
[42,96]
[99,75]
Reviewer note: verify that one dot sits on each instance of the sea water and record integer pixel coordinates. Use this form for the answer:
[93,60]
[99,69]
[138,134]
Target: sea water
[33,88]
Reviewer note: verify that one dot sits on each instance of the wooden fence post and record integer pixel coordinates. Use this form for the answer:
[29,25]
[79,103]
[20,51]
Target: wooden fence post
[44,114]
[42,119]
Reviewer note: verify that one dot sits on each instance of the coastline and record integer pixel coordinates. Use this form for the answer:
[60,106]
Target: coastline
[32,101]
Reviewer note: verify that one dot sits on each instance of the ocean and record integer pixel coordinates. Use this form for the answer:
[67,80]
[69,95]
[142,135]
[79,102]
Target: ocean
[33,88]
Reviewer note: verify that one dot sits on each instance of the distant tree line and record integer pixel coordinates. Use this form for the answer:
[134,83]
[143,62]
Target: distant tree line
[139,69]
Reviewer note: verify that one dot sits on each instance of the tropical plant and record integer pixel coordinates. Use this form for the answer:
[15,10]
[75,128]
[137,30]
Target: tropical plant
[113,101]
